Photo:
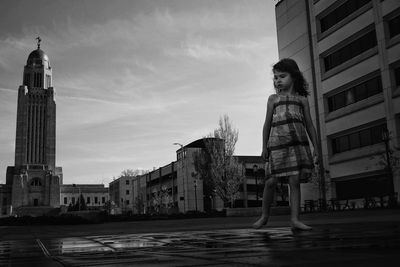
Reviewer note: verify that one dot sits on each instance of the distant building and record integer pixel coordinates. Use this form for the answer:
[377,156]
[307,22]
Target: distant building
[34,185]
[95,195]
[121,193]
[349,51]
[175,187]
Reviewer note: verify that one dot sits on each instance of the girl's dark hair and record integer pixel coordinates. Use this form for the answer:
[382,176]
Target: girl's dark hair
[300,84]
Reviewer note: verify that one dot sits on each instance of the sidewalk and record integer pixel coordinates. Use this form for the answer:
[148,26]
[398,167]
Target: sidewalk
[346,238]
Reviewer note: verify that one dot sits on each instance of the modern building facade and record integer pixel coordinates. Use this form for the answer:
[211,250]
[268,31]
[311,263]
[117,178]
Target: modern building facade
[349,51]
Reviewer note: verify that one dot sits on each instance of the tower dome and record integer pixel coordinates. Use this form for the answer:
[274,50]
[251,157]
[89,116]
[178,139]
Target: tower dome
[37,72]
[38,57]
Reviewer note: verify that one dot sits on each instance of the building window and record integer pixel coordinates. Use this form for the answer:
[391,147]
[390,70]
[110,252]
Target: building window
[394,26]
[36,182]
[27,79]
[65,201]
[96,200]
[127,192]
[48,80]
[355,48]
[73,200]
[355,93]
[340,13]
[88,200]
[37,80]
[397,76]
[357,139]
[127,182]
[127,202]
[103,200]
[4,201]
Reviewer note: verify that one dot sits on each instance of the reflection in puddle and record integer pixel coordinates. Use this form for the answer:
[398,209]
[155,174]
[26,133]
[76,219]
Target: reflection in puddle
[135,243]
[75,245]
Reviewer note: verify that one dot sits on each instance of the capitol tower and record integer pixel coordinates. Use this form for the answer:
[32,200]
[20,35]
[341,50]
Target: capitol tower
[35,180]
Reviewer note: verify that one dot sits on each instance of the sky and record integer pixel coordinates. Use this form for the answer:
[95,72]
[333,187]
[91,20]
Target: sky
[133,77]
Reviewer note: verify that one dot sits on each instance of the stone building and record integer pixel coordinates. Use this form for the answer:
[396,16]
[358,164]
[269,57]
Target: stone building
[349,51]
[34,180]
[95,195]
[121,193]
[34,185]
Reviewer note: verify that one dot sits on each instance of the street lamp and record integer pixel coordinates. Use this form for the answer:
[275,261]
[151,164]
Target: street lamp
[255,169]
[195,191]
[183,175]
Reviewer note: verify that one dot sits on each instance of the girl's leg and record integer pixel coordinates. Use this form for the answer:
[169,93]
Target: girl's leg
[268,198]
[294,184]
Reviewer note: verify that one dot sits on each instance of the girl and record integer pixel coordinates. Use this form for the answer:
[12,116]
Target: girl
[285,144]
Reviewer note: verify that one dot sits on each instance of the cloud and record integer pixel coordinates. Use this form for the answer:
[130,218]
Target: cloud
[131,83]
[8,90]
[214,50]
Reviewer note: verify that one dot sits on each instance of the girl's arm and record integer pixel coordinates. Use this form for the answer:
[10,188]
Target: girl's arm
[309,125]
[267,125]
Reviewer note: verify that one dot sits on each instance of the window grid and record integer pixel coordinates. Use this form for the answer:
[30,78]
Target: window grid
[358,139]
[394,26]
[356,93]
[353,49]
[36,182]
[340,13]
[397,76]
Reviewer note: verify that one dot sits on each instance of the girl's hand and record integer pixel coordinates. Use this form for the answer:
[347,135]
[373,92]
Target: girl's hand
[265,155]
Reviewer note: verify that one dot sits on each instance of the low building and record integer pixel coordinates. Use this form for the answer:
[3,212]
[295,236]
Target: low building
[95,195]
[177,187]
[121,193]
[5,200]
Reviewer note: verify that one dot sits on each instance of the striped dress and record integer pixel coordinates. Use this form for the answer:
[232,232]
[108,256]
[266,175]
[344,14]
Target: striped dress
[289,150]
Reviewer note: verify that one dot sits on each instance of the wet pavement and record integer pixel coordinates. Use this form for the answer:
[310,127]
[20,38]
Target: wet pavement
[364,243]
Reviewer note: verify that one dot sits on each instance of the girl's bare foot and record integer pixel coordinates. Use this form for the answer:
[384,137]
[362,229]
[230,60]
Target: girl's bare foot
[260,222]
[297,225]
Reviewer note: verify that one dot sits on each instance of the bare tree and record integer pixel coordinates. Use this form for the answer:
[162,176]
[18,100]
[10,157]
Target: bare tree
[161,200]
[315,180]
[389,160]
[139,204]
[130,173]
[217,166]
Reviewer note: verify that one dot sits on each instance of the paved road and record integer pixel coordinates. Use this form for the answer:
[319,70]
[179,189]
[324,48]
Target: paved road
[358,238]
